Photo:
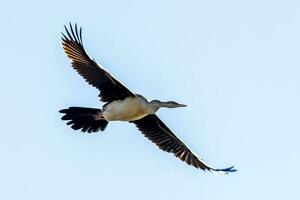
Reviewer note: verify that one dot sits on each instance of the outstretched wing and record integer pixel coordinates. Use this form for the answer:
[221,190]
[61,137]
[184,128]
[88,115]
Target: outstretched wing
[110,88]
[155,130]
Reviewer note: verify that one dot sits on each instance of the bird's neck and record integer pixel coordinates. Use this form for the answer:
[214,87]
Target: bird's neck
[158,104]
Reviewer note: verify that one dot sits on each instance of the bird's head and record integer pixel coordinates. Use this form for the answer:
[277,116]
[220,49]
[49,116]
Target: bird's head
[167,104]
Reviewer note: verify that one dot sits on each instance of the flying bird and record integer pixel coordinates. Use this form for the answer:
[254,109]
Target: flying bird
[121,104]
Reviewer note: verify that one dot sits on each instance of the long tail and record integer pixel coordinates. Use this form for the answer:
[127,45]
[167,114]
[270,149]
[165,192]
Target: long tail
[83,118]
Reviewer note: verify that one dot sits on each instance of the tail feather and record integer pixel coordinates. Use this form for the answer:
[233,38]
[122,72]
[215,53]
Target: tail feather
[83,118]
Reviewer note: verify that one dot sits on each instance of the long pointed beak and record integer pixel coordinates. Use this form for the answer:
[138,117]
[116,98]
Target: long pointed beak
[181,105]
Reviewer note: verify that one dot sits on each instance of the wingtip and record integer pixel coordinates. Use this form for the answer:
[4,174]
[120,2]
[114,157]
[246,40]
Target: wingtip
[72,33]
[225,170]
[62,111]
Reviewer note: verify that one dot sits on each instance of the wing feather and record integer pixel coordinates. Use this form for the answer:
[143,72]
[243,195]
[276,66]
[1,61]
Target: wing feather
[156,131]
[109,87]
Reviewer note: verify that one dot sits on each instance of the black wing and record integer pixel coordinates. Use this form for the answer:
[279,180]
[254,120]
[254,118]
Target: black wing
[110,88]
[155,130]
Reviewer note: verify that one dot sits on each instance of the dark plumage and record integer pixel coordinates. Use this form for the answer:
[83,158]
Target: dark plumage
[119,100]
[83,118]
[109,87]
[156,131]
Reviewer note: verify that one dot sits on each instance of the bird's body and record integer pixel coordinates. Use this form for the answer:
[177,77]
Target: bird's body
[128,109]
[122,105]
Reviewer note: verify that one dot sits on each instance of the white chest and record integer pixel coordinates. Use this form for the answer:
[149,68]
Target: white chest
[129,109]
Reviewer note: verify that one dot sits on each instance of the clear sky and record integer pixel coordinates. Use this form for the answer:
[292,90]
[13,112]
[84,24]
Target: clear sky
[234,63]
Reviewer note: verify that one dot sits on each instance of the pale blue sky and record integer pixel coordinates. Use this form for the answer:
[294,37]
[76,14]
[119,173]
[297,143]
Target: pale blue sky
[234,63]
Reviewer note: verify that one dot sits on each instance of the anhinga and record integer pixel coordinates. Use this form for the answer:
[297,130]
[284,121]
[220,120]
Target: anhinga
[121,105]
